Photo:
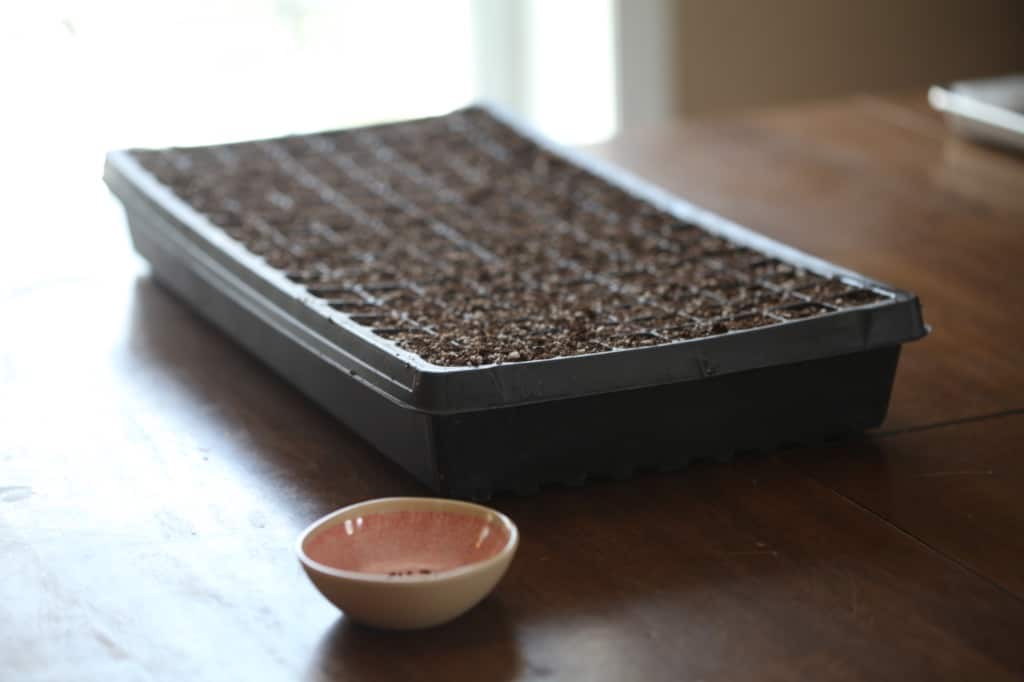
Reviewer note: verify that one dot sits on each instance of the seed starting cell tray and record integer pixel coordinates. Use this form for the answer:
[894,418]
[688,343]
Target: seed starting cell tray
[493,313]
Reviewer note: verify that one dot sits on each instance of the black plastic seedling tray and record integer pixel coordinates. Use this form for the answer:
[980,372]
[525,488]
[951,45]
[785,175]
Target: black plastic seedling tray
[493,313]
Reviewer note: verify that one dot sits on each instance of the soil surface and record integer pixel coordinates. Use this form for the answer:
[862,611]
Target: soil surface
[466,243]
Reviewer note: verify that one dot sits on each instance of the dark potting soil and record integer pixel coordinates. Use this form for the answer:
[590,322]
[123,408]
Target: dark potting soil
[468,244]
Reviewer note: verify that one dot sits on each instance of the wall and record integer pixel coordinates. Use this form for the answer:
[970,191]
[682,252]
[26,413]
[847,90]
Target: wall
[723,54]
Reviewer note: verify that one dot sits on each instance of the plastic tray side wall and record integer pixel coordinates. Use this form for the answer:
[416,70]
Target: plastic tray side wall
[663,427]
[402,434]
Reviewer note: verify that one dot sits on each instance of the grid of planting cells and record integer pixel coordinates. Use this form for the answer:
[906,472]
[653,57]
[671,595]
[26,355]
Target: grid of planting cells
[466,243]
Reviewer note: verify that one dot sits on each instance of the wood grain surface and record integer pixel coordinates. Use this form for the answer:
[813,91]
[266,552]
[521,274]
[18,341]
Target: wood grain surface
[153,476]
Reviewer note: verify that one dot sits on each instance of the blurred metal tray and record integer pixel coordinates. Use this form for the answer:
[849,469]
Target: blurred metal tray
[988,110]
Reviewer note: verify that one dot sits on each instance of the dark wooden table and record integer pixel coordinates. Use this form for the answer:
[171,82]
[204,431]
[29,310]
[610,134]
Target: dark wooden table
[153,476]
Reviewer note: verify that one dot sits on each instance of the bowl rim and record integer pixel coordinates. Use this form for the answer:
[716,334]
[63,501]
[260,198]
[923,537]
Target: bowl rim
[443,504]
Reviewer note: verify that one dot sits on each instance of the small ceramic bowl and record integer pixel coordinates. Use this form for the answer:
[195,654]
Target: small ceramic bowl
[407,562]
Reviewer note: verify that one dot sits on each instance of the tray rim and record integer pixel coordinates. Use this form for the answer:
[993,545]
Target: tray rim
[423,386]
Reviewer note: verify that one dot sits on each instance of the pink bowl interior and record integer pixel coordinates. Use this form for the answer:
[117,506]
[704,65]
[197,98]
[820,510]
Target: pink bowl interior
[404,543]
